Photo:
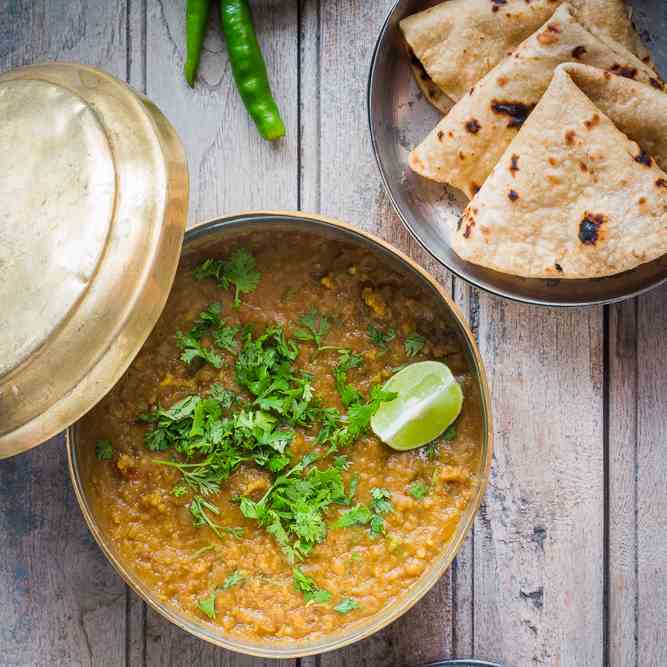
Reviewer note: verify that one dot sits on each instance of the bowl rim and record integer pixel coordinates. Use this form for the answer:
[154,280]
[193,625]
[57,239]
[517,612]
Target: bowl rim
[471,280]
[428,579]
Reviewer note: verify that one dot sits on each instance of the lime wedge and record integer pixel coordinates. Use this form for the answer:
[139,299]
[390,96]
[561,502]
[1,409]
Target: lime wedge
[429,400]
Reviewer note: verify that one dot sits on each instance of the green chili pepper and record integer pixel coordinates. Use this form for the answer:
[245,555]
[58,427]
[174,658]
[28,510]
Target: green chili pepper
[249,68]
[196,18]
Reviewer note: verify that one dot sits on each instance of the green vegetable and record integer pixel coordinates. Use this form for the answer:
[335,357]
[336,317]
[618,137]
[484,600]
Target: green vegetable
[347,361]
[346,605]
[233,579]
[360,515]
[198,508]
[380,338]
[292,510]
[202,551]
[196,18]
[414,344]
[239,270]
[207,604]
[249,68]
[316,326]
[418,490]
[311,593]
[104,450]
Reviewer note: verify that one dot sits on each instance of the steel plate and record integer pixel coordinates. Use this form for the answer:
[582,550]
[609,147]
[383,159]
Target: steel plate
[400,117]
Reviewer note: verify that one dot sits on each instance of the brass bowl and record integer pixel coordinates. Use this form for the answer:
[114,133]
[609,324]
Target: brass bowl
[208,235]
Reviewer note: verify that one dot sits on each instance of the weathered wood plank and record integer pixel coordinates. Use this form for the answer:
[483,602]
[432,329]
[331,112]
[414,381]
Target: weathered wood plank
[539,540]
[623,392]
[231,169]
[60,601]
[651,466]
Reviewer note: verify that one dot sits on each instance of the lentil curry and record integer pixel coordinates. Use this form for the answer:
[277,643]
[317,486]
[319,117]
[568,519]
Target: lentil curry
[233,468]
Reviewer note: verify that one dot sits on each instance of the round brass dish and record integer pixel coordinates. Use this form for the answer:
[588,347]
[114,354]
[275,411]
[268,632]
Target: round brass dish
[208,236]
[94,206]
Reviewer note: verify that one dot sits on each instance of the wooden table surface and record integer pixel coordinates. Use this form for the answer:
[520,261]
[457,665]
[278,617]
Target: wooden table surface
[567,564]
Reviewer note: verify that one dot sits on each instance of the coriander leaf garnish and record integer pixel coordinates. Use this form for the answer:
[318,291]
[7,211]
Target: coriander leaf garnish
[347,361]
[341,462]
[354,483]
[379,337]
[414,344]
[198,508]
[207,604]
[202,551]
[292,508]
[418,490]
[431,450]
[233,579]
[225,397]
[193,349]
[359,515]
[316,327]
[346,605]
[104,450]
[450,433]
[380,504]
[239,270]
[311,593]
[208,322]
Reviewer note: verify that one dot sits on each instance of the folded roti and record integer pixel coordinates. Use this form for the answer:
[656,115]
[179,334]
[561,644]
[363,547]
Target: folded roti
[468,142]
[581,192]
[459,41]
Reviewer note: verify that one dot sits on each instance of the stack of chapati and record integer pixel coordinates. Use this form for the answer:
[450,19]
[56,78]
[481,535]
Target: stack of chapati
[558,134]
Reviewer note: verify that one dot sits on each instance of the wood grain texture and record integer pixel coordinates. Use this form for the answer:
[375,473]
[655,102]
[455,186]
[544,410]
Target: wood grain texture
[651,466]
[60,601]
[539,549]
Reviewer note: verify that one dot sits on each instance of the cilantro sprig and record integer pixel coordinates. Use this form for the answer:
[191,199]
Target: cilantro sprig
[239,271]
[104,450]
[306,585]
[314,327]
[414,344]
[381,338]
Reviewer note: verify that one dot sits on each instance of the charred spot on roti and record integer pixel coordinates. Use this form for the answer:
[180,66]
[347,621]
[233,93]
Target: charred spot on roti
[468,229]
[656,83]
[473,126]
[623,70]
[517,111]
[462,156]
[450,134]
[643,158]
[497,4]
[550,35]
[474,188]
[592,122]
[642,201]
[558,267]
[583,166]
[512,195]
[570,137]
[514,164]
[440,135]
[589,228]
[553,161]
[661,183]
[578,51]
[502,81]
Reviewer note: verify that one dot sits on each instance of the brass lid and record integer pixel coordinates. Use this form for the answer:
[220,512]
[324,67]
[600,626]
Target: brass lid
[93,207]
